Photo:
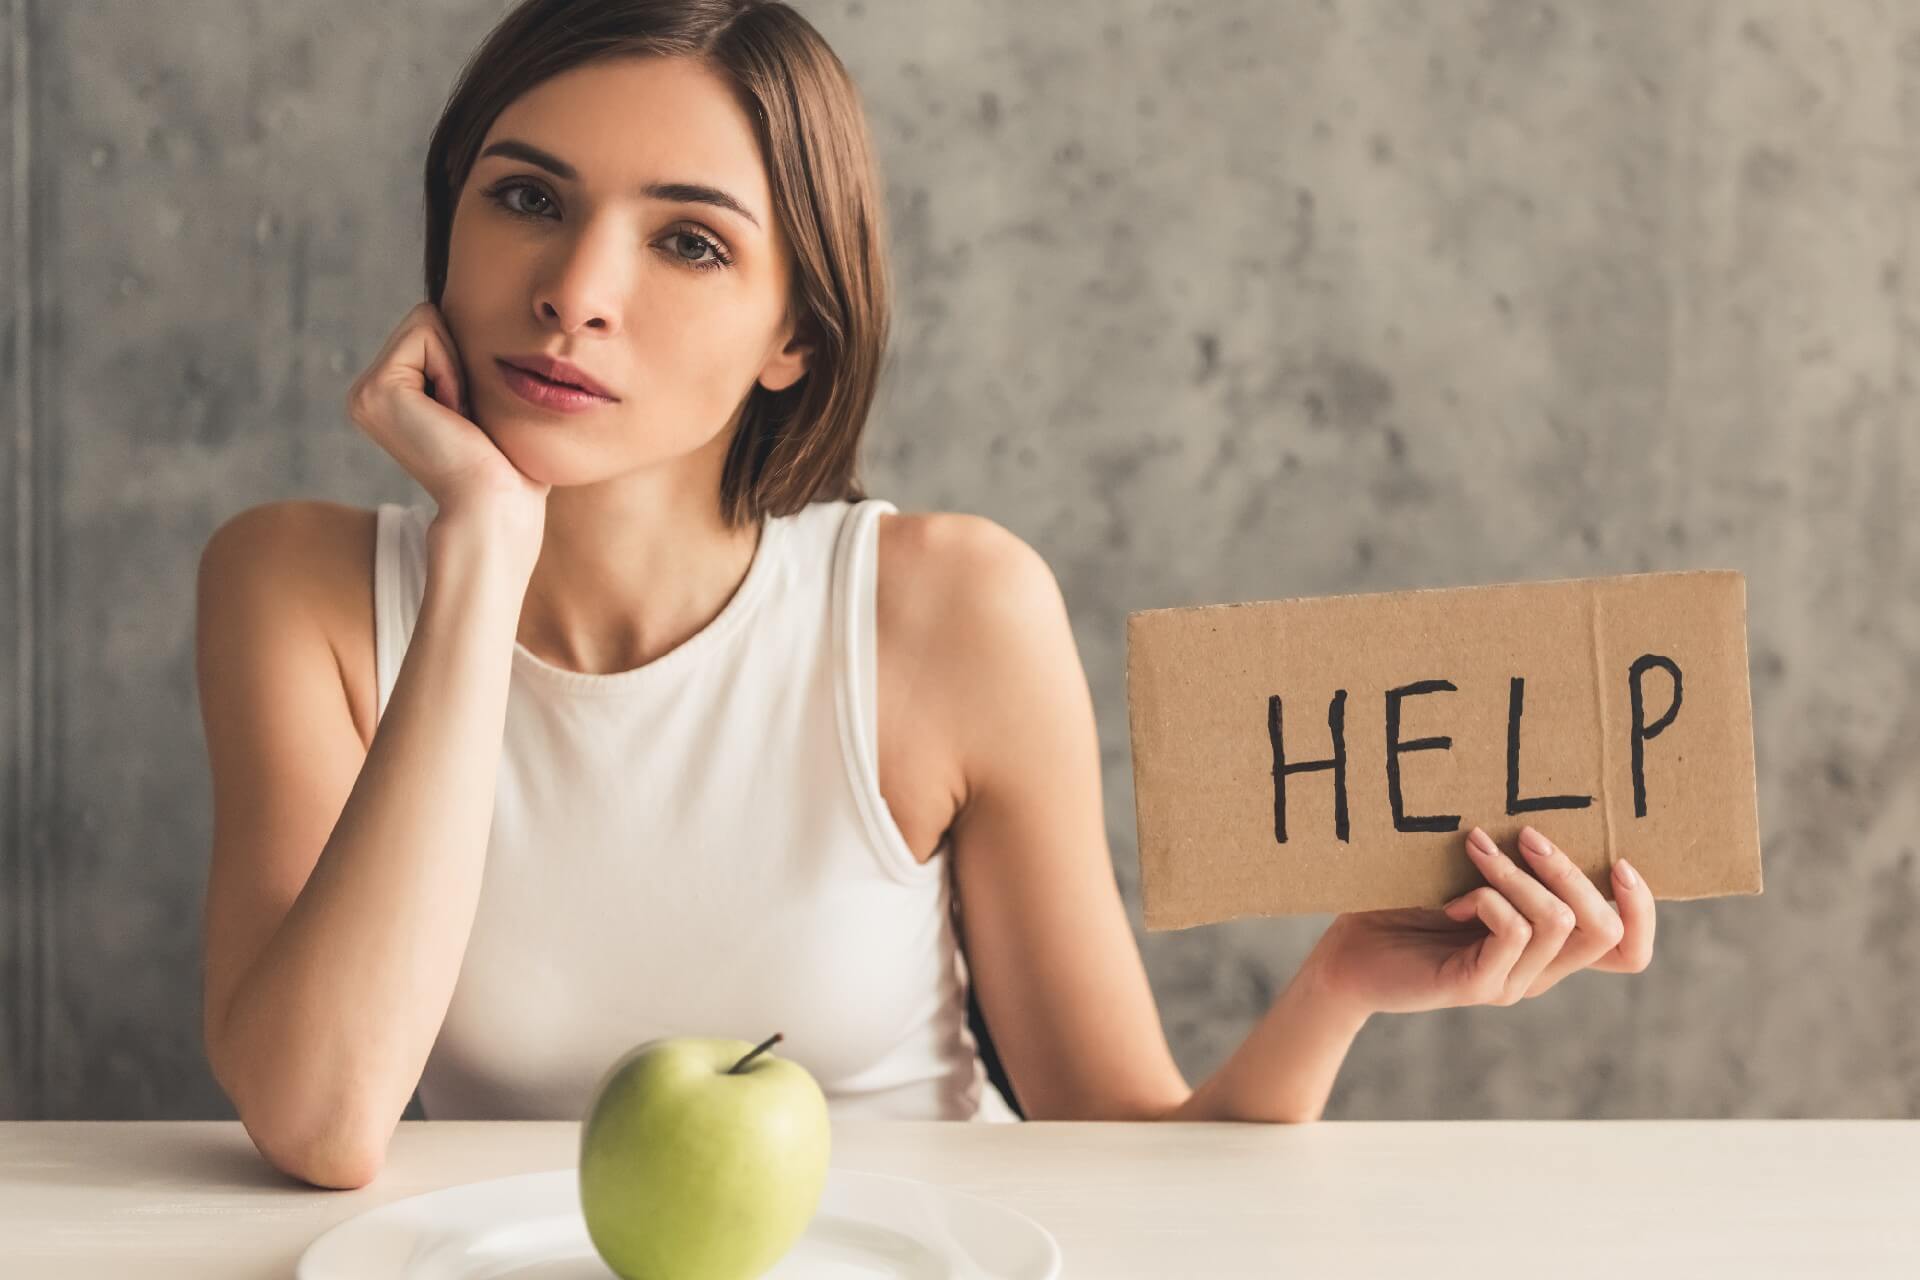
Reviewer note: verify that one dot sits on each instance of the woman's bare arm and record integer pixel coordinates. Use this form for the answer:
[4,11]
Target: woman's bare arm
[1061,979]
[335,930]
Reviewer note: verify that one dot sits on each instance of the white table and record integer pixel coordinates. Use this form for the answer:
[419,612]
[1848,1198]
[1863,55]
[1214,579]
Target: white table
[1618,1199]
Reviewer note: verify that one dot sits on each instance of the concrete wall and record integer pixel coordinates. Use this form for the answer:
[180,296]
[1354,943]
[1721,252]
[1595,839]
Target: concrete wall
[1209,301]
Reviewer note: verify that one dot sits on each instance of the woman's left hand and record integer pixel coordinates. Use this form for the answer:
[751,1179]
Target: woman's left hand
[1514,937]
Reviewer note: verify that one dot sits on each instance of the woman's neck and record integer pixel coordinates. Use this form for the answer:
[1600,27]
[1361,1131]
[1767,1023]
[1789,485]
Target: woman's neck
[630,569]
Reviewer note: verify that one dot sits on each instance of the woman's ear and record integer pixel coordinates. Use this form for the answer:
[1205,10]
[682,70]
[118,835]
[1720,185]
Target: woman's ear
[790,363]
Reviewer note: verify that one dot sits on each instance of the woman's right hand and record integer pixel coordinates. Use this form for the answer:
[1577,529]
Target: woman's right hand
[412,401]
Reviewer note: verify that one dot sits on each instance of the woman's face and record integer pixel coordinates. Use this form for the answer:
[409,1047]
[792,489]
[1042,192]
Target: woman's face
[674,304]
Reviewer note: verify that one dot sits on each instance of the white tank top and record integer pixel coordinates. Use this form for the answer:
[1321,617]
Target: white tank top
[699,846]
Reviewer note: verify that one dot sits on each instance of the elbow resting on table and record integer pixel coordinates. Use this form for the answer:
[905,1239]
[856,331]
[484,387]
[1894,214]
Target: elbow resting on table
[332,1163]
[1210,1104]
[328,1141]
[336,1156]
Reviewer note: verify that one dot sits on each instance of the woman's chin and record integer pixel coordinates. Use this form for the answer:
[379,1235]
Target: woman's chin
[545,452]
[545,463]
[567,454]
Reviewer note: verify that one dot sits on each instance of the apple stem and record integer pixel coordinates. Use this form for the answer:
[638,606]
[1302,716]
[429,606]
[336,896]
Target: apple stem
[764,1045]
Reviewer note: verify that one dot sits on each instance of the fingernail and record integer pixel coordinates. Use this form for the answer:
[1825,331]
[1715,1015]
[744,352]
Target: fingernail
[1483,842]
[1535,843]
[1625,872]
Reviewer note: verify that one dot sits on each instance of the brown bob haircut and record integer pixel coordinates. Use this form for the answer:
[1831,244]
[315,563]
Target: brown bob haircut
[795,446]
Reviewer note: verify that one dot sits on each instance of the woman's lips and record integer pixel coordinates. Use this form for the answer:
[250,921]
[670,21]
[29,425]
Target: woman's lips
[541,393]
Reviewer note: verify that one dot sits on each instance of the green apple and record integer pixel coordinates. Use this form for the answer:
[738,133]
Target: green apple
[701,1159]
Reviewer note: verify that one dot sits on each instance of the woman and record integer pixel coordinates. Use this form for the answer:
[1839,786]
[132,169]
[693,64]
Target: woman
[738,748]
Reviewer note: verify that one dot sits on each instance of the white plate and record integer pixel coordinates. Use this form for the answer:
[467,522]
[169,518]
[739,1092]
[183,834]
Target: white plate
[529,1227]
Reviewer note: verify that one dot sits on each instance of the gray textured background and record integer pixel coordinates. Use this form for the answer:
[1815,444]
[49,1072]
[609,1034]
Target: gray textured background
[1214,301]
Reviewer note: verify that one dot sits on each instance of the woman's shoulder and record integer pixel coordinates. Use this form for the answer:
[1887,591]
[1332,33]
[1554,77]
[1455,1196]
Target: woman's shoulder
[941,551]
[937,573]
[309,548]
[938,570]
[315,557]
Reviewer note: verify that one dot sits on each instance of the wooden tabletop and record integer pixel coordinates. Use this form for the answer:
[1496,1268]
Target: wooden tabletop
[84,1199]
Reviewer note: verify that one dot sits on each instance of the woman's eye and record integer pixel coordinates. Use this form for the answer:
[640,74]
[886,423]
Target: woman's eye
[708,254]
[701,244]
[501,193]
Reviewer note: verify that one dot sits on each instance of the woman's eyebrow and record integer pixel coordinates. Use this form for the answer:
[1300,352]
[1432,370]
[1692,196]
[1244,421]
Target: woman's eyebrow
[678,192]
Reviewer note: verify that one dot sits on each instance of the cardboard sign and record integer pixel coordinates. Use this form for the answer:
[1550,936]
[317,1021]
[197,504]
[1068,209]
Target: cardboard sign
[1330,754]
